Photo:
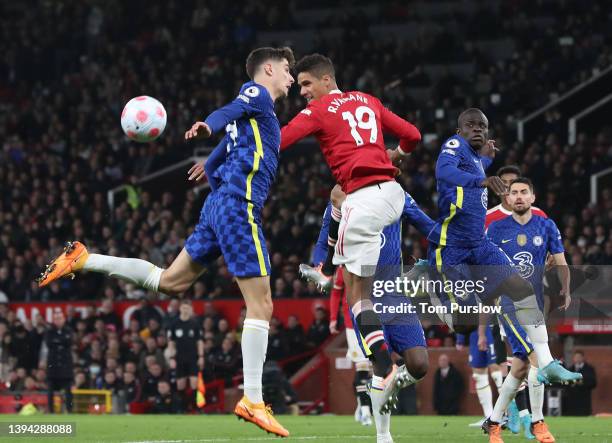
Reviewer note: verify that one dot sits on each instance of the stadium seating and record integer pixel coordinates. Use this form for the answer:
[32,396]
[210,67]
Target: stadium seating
[63,150]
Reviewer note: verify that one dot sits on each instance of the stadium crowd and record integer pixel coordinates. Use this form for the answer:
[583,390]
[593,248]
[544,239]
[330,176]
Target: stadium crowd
[135,363]
[63,149]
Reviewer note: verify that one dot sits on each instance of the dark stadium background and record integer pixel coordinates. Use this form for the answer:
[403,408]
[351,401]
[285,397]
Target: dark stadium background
[67,68]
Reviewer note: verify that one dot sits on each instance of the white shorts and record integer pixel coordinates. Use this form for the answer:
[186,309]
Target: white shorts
[365,213]
[354,352]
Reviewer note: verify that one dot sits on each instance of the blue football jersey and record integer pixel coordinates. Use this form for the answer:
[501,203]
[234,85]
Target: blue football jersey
[528,245]
[252,141]
[462,202]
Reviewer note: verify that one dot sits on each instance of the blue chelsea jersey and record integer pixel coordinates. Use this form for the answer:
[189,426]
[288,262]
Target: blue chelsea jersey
[252,143]
[462,202]
[528,245]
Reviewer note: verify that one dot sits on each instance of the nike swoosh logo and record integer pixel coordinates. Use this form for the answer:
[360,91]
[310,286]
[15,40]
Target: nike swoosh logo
[505,241]
[248,410]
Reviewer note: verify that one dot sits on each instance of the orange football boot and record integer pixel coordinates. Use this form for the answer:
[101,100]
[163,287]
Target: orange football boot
[541,432]
[70,260]
[261,415]
[494,430]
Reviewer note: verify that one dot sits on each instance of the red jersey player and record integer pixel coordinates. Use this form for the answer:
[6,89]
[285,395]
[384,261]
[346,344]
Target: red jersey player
[349,127]
[503,210]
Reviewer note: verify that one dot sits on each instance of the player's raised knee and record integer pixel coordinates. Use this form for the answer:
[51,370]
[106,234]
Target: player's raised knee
[337,196]
[517,288]
[418,365]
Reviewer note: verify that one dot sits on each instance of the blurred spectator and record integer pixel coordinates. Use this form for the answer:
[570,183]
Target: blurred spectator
[131,388]
[153,375]
[225,361]
[277,390]
[108,315]
[577,398]
[319,329]
[172,313]
[448,387]
[166,401]
[145,312]
[294,335]
[277,344]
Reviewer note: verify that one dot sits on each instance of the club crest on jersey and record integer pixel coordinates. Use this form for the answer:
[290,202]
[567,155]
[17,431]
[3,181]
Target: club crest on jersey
[383,240]
[521,239]
[453,143]
[484,198]
[252,91]
[537,240]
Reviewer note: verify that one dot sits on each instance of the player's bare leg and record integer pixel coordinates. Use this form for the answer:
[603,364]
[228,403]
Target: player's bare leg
[258,298]
[531,319]
[388,379]
[175,280]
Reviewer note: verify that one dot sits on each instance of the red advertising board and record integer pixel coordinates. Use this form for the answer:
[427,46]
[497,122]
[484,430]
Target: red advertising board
[230,309]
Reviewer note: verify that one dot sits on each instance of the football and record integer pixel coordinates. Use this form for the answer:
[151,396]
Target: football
[143,119]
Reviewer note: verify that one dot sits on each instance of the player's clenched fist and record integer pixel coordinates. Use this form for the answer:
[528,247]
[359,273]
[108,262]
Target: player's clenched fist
[198,130]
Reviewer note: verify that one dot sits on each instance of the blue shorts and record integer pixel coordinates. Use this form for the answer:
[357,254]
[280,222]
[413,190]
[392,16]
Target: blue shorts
[230,226]
[482,359]
[398,337]
[485,265]
[515,334]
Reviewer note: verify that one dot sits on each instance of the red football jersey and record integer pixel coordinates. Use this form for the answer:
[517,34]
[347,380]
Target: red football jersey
[499,213]
[349,127]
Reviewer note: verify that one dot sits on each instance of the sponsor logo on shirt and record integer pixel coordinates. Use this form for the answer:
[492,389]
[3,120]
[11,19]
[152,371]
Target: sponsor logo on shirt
[453,143]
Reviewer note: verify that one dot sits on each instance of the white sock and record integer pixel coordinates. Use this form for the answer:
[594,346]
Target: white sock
[365,411]
[532,320]
[382,421]
[254,348]
[506,394]
[133,270]
[538,335]
[536,395]
[523,413]
[485,396]
[498,378]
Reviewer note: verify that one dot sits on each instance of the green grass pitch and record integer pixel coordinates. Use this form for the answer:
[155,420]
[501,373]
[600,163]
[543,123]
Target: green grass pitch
[225,428]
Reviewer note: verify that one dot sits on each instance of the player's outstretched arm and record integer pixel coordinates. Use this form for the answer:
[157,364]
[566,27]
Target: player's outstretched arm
[220,118]
[198,130]
[447,169]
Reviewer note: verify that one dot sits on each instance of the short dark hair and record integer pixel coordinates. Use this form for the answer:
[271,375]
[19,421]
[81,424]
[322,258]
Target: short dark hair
[578,351]
[523,180]
[509,169]
[469,111]
[259,56]
[315,64]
